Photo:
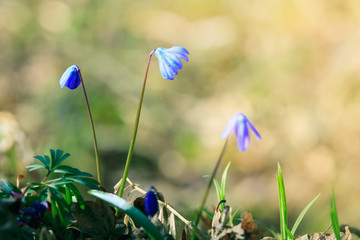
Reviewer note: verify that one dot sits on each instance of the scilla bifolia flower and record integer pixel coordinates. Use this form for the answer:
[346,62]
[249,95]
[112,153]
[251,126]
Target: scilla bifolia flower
[239,123]
[169,60]
[151,202]
[71,78]
[169,63]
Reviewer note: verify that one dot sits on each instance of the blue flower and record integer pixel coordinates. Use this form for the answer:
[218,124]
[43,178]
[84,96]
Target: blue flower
[151,203]
[169,60]
[71,78]
[239,123]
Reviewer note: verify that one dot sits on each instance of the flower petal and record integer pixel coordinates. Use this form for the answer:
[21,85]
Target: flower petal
[242,135]
[229,126]
[257,134]
[164,71]
[177,49]
[174,61]
[180,52]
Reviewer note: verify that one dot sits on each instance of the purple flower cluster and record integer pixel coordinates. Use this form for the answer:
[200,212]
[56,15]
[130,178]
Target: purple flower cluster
[31,214]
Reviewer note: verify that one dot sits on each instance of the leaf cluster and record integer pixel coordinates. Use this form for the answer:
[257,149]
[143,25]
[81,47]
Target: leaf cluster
[59,184]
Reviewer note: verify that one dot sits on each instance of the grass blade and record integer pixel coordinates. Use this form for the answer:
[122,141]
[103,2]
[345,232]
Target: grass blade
[302,214]
[334,217]
[290,235]
[223,181]
[137,216]
[233,216]
[217,188]
[282,205]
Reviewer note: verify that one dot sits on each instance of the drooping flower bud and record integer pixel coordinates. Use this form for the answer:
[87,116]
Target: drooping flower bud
[151,202]
[71,78]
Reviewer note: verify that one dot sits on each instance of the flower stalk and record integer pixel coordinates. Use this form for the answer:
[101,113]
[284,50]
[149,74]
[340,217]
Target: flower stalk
[72,78]
[132,143]
[98,169]
[201,209]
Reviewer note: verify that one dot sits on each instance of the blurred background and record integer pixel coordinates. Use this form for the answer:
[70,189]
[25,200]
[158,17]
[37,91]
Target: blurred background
[293,67]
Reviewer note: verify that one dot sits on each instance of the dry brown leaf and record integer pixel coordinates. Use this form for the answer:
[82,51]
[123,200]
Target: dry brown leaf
[247,223]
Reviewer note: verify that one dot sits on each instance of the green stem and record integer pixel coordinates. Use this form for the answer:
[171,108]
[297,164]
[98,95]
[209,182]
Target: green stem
[93,132]
[132,144]
[208,188]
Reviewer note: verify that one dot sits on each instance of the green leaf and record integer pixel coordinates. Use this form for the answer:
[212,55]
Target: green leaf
[61,181]
[35,166]
[59,157]
[70,170]
[89,182]
[53,158]
[217,189]
[62,208]
[7,187]
[208,213]
[334,217]
[234,215]
[223,181]
[137,216]
[77,195]
[282,204]
[45,161]
[68,197]
[302,214]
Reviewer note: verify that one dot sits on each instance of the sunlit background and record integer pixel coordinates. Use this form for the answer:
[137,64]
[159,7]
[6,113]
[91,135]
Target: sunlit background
[293,67]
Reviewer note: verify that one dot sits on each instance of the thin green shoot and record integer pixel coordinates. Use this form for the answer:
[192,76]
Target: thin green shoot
[302,214]
[221,188]
[282,205]
[231,221]
[209,214]
[334,217]
[223,185]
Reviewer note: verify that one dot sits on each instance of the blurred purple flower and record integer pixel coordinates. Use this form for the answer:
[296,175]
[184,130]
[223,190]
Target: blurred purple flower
[169,60]
[151,203]
[71,78]
[239,123]
[31,215]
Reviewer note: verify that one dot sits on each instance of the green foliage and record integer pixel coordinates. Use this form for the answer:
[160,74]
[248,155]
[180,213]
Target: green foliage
[334,217]
[56,191]
[60,189]
[137,216]
[7,188]
[221,188]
